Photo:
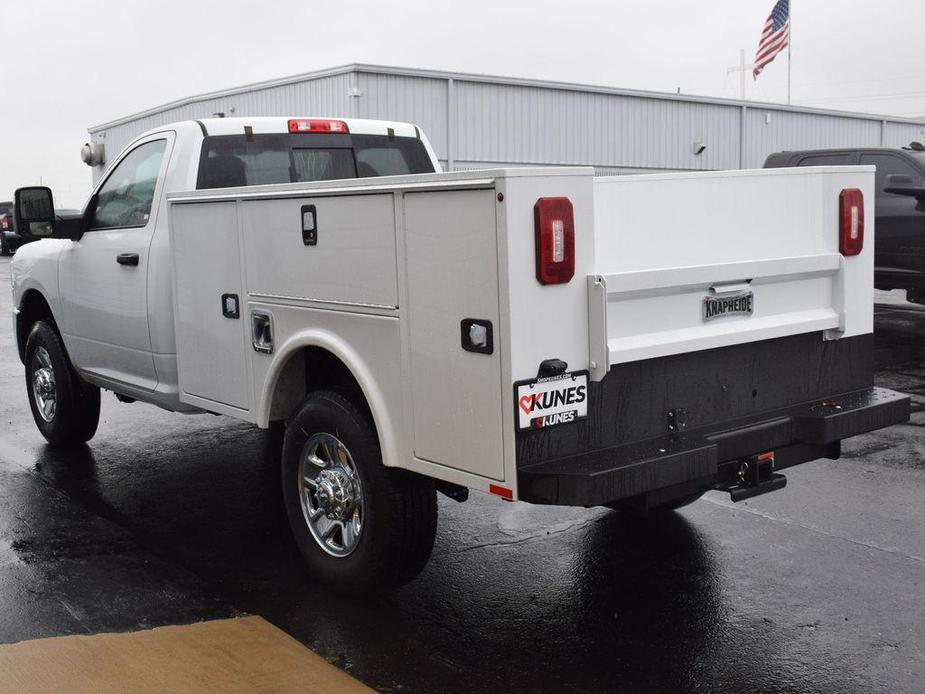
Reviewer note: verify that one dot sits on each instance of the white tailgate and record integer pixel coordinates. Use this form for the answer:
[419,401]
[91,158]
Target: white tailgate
[665,242]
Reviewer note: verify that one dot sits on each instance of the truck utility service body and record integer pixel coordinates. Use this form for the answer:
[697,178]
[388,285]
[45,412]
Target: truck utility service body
[539,334]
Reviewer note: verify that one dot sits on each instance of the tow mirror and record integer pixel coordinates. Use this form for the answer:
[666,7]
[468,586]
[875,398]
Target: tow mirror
[902,184]
[34,212]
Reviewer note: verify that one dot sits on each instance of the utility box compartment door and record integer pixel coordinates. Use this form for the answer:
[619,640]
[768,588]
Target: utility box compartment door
[452,272]
[207,264]
[348,256]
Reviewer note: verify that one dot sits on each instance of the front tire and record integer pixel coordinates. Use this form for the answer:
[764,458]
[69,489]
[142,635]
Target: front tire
[360,526]
[65,409]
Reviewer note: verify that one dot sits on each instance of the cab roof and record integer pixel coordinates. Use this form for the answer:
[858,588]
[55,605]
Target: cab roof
[280,124]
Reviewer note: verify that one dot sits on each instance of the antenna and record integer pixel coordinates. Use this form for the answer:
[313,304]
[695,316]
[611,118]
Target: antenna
[742,68]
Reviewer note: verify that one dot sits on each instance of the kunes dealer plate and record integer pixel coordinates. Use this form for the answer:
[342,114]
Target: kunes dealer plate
[546,402]
[721,305]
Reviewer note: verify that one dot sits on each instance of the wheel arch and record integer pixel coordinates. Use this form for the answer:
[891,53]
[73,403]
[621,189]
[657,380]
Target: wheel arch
[32,307]
[317,360]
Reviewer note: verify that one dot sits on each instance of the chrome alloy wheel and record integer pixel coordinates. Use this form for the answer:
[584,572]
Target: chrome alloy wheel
[331,494]
[43,384]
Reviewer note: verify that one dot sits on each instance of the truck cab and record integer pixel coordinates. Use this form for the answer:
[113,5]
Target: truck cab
[108,286]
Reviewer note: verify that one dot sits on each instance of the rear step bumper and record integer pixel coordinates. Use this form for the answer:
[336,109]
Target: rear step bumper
[711,456]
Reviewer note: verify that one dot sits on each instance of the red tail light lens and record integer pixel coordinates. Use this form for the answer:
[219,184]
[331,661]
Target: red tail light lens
[301,125]
[5,222]
[554,225]
[851,215]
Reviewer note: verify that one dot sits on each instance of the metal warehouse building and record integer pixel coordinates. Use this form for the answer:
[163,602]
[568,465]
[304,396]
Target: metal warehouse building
[476,121]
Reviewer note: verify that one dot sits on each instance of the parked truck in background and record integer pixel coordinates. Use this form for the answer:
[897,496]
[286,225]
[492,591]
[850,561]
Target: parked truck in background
[537,334]
[6,227]
[10,239]
[899,191]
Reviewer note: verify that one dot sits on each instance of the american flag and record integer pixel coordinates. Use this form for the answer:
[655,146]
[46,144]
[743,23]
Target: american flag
[774,37]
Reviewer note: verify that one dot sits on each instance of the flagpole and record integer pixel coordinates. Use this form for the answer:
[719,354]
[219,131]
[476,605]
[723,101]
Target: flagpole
[789,37]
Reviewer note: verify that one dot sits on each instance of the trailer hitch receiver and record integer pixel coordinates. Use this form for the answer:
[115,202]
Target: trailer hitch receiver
[756,476]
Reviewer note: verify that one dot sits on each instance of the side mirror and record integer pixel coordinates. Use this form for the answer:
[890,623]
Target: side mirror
[901,184]
[34,212]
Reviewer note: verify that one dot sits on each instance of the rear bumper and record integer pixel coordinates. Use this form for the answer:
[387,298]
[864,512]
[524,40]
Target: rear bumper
[688,419]
[898,278]
[709,457]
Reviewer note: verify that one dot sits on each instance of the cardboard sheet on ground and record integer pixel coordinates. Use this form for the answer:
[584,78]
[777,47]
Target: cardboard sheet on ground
[229,655]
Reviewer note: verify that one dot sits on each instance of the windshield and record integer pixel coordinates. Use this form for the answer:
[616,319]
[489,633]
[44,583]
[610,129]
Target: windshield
[239,160]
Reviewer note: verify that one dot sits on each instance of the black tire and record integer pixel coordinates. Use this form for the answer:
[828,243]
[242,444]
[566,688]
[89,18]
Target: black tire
[399,508]
[77,404]
[3,248]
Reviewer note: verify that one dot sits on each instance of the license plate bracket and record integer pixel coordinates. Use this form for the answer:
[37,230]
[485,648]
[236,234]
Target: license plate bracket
[546,402]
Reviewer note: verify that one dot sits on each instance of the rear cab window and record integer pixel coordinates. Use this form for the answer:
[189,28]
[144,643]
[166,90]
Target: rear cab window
[239,160]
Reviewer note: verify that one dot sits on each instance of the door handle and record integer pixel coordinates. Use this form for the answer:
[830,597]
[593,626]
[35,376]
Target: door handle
[127,259]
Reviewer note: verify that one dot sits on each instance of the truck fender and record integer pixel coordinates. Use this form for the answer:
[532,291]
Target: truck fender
[33,305]
[362,373]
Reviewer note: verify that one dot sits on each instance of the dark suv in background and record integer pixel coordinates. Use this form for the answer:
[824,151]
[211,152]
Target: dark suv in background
[6,228]
[9,239]
[899,252]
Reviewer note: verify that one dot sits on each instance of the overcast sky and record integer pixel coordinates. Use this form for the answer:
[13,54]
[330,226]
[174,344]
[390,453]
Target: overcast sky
[69,64]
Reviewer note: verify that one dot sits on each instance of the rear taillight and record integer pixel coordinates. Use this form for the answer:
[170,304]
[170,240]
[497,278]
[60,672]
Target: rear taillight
[302,125]
[554,225]
[5,222]
[851,216]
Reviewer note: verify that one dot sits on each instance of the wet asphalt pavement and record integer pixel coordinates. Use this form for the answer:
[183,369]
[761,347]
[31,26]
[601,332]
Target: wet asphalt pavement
[168,519]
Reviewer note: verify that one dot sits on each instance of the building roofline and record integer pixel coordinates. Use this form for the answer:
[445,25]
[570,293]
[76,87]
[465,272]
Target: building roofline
[232,91]
[495,79]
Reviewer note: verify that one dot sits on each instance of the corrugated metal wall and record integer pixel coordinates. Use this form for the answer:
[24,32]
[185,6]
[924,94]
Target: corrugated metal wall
[769,131]
[477,122]
[551,126]
[898,134]
[418,100]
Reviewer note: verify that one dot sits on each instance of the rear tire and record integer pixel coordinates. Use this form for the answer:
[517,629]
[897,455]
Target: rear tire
[374,527]
[3,247]
[65,409]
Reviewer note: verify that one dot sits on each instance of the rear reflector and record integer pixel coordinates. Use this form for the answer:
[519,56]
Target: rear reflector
[301,125]
[554,225]
[503,492]
[851,215]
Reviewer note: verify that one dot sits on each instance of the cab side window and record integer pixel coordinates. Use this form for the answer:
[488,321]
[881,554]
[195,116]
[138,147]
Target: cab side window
[125,199]
[824,160]
[888,165]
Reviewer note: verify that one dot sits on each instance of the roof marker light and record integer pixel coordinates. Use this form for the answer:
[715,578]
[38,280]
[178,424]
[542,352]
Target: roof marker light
[305,125]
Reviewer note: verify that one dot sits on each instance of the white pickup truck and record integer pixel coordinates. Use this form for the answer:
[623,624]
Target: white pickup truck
[538,334]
